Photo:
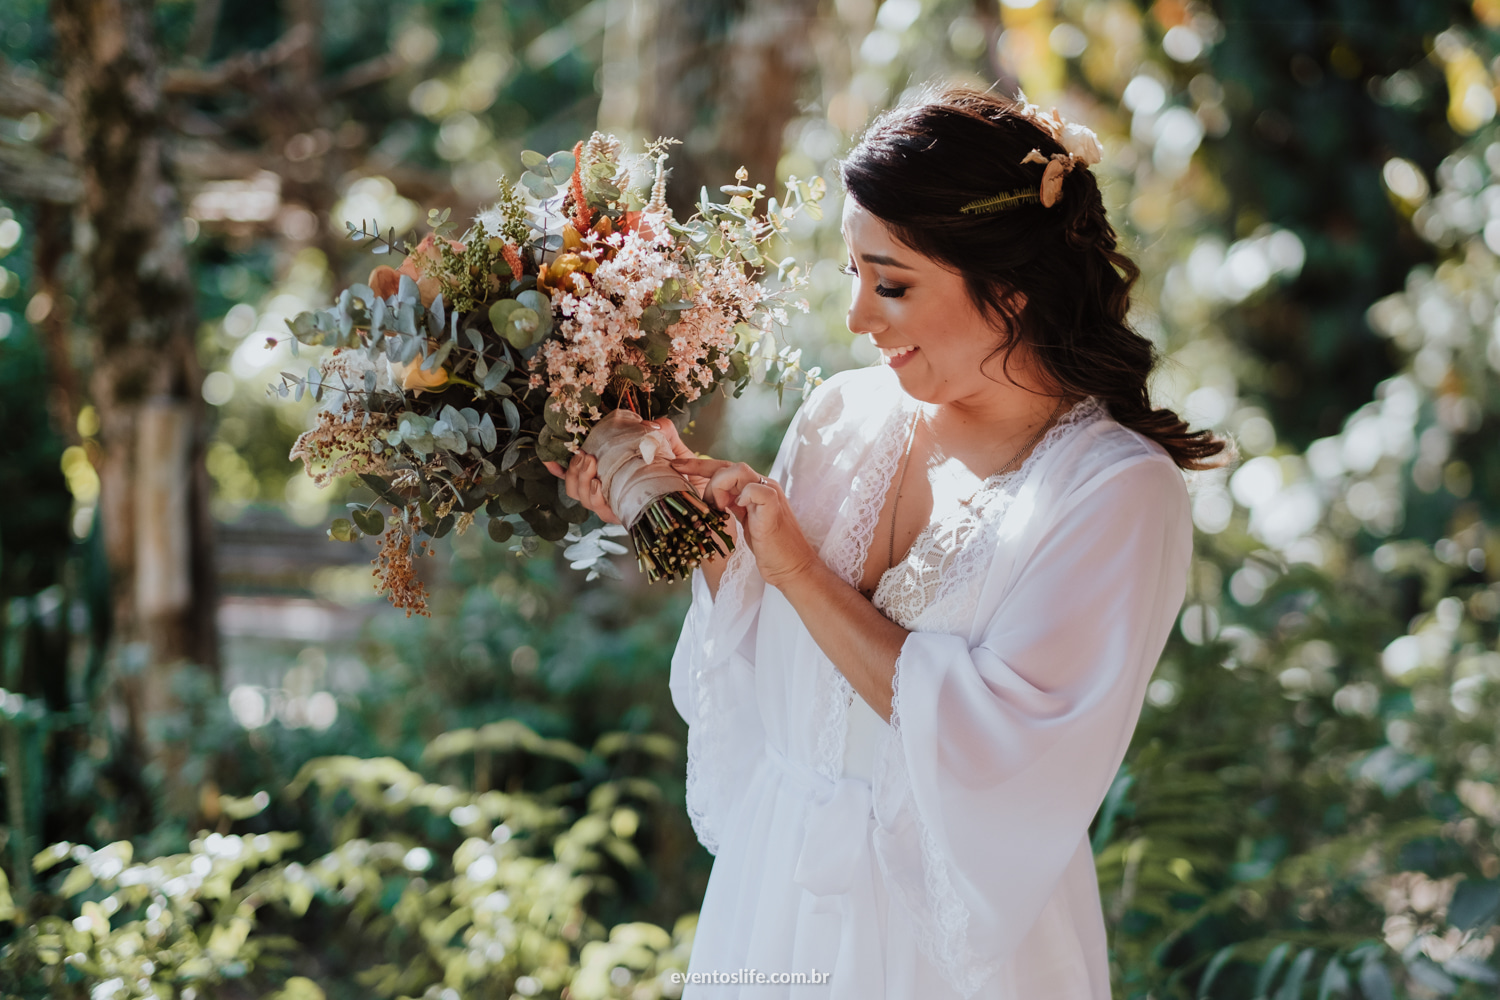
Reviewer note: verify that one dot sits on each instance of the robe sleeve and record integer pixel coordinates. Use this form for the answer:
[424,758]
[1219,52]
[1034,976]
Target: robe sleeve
[713,667]
[1003,749]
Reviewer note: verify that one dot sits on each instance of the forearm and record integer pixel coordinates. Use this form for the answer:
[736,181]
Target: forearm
[713,569]
[713,572]
[862,643]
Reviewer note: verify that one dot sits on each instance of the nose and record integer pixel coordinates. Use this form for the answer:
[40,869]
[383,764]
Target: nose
[864,312]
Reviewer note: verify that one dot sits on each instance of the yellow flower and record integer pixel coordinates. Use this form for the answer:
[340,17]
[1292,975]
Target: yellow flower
[412,378]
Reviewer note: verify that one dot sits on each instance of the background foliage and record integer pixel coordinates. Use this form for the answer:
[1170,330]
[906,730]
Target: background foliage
[489,803]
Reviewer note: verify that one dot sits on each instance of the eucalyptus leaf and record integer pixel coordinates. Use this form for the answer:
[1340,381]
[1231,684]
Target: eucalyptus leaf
[525,327]
[653,318]
[494,377]
[542,306]
[560,164]
[547,525]
[555,416]
[540,187]
[407,292]
[657,346]
[371,522]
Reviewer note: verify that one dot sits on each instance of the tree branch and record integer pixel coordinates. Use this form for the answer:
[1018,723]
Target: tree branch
[27,172]
[234,72]
[20,95]
[382,67]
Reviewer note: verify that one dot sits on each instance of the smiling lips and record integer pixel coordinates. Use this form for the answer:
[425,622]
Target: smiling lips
[897,356]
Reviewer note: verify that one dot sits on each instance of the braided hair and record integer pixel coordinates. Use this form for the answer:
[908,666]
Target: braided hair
[1050,278]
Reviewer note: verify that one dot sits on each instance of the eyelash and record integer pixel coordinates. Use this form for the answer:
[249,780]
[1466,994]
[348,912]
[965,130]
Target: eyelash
[884,291]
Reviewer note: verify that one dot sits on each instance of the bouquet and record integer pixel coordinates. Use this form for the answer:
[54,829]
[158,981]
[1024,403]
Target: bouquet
[568,314]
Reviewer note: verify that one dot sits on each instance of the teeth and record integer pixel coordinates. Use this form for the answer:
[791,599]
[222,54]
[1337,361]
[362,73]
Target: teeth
[892,353]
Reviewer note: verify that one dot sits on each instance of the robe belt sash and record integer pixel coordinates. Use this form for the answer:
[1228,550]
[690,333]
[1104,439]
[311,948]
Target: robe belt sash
[834,864]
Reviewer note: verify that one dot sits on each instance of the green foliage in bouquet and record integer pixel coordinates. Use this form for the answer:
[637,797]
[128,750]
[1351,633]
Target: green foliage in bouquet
[455,377]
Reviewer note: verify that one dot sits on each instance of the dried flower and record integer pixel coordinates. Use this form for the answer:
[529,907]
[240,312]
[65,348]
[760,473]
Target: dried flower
[1081,143]
[396,572]
[385,281]
[424,266]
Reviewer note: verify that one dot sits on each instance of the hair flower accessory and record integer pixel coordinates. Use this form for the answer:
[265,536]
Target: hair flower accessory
[1081,143]
[1058,165]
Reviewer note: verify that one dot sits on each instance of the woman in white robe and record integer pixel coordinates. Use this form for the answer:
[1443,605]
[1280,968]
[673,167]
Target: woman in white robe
[895,759]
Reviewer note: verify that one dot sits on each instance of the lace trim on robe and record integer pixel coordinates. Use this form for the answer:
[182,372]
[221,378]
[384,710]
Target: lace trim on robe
[706,768]
[934,589]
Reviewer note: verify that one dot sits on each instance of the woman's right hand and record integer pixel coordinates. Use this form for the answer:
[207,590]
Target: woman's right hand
[582,482]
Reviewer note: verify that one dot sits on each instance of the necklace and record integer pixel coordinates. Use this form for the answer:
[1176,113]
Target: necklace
[906,459]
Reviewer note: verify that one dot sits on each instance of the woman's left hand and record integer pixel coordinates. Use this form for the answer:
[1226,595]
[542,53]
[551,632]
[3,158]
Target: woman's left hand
[771,530]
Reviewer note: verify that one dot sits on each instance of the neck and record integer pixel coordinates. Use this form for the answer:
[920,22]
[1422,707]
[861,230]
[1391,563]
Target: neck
[1006,409]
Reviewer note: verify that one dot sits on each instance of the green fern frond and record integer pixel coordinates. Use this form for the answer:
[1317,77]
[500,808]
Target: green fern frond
[1001,201]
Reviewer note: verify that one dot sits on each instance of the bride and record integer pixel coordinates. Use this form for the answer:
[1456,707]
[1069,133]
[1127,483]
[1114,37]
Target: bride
[909,688]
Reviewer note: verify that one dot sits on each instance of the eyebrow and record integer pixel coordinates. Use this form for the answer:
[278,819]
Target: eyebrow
[875,258]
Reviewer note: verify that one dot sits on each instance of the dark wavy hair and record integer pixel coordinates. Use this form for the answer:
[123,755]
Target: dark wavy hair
[918,165]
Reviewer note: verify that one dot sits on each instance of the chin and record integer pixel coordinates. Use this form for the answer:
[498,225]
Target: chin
[915,387]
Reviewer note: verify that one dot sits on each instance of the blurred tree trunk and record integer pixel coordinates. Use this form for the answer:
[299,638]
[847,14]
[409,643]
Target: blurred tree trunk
[145,381]
[723,76]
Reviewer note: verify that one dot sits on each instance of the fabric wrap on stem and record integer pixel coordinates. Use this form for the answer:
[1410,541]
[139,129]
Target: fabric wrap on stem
[633,469]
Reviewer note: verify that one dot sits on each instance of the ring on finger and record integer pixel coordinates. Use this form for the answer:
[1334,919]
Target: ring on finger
[762,480]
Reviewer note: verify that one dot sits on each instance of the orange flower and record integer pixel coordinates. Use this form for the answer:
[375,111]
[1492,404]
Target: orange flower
[512,255]
[385,280]
[412,378]
[582,214]
[424,264]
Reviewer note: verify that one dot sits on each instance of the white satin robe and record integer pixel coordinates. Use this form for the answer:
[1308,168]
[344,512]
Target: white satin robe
[946,854]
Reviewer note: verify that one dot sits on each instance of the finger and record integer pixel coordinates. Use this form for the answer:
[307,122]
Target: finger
[674,437]
[705,467]
[758,494]
[555,469]
[725,485]
[665,425]
[580,473]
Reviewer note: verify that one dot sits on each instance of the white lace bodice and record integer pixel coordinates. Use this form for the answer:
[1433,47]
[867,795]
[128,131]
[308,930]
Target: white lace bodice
[934,589]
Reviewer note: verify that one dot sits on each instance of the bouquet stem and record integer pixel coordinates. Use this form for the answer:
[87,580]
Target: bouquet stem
[675,533]
[672,528]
